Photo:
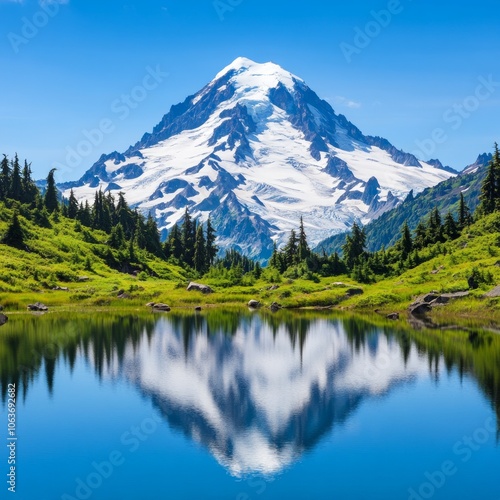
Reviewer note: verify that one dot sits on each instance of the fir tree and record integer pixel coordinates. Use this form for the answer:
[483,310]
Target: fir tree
[406,243]
[4,178]
[117,237]
[152,236]
[464,214]
[188,237]
[16,186]
[291,249]
[200,257]
[354,246]
[50,199]
[489,190]
[14,236]
[72,206]
[29,189]
[173,245]
[211,251]
[303,250]
[450,228]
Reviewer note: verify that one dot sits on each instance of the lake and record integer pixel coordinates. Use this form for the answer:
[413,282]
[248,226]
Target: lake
[237,405]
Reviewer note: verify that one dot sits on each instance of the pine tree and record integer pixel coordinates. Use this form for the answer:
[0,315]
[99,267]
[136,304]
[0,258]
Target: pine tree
[16,186]
[200,257]
[72,206]
[420,235]
[84,214]
[489,190]
[212,249]
[464,214]
[450,228]
[354,246]
[117,237]
[188,238]
[434,232]
[303,250]
[29,189]
[14,236]
[173,245]
[50,199]
[4,178]
[291,249]
[152,236]
[406,243]
[274,260]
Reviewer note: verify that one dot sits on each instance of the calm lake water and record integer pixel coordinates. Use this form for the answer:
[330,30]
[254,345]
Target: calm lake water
[244,406]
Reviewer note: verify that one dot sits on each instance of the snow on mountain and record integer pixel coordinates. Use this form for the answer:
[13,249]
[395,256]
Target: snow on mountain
[256,149]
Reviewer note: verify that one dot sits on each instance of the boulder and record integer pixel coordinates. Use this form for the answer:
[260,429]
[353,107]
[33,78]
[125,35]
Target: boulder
[161,307]
[419,308]
[490,295]
[83,278]
[351,292]
[198,287]
[444,298]
[275,307]
[254,304]
[124,295]
[37,306]
[150,304]
[197,308]
[272,288]
[61,288]
[3,319]
[393,316]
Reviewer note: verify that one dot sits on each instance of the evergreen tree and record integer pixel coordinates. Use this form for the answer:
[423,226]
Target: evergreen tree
[464,214]
[274,260]
[72,206]
[291,249]
[29,189]
[188,238]
[200,257]
[434,232]
[173,245]
[489,190]
[152,236]
[420,235]
[212,249]
[406,243]
[450,228]
[84,214]
[303,250]
[4,178]
[117,237]
[354,246]
[14,236]
[16,186]
[50,199]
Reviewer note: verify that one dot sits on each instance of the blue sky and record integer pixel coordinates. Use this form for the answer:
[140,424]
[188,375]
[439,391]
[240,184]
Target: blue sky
[423,74]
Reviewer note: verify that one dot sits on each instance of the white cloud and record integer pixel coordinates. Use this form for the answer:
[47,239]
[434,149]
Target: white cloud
[344,101]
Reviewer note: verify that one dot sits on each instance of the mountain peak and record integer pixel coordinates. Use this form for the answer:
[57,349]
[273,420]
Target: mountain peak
[249,73]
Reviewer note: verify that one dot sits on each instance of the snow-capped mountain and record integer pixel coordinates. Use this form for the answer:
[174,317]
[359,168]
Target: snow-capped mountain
[256,149]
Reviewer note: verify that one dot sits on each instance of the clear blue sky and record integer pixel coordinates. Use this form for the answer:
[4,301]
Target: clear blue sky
[411,76]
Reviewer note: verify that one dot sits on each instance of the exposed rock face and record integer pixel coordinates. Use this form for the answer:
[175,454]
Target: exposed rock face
[425,303]
[198,287]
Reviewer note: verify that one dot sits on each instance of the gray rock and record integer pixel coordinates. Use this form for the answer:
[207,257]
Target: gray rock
[205,289]
[161,307]
[275,307]
[274,287]
[124,295]
[83,278]
[491,294]
[254,304]
[3,319]
[197,308]
[351,292]
[37,306]
[393,316]
[150,304]
[419,308]
[61,288]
